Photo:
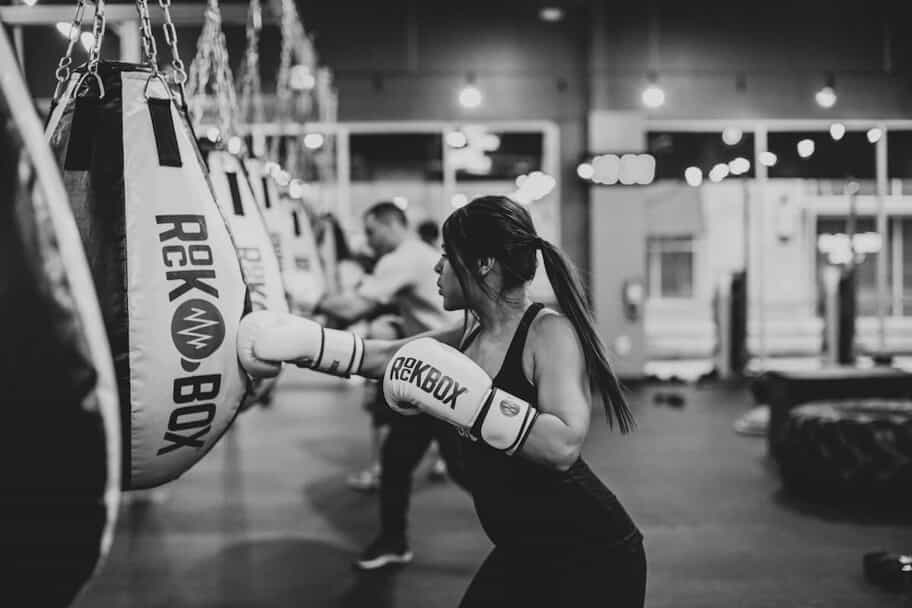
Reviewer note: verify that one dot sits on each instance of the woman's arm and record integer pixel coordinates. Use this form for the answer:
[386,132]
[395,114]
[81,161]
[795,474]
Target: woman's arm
[562,386]
[377,353]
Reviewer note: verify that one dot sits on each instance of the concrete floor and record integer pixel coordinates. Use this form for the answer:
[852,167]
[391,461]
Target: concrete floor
[266,519]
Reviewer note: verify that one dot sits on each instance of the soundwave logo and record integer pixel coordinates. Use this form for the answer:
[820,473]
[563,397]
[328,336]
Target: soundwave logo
[197,329]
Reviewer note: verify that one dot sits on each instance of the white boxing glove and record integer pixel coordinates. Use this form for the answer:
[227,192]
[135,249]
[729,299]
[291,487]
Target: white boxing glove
[429,376]
[250,328]
[273,337]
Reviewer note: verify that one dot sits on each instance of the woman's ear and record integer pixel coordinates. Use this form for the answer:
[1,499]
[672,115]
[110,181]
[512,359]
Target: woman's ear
[485,265]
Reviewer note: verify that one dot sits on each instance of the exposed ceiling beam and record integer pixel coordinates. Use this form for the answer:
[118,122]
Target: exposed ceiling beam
[181,14]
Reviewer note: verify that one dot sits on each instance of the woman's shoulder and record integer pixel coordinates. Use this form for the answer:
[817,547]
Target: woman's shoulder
[550,323]
[552,333]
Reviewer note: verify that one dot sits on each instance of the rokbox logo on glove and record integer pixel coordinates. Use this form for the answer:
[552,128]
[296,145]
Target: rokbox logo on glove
[428,378]
[509,409]
[197,328]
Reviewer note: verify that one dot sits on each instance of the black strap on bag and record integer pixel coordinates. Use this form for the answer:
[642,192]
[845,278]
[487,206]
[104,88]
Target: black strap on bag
[81,146]
[267,198]
[235,192]
[163,128]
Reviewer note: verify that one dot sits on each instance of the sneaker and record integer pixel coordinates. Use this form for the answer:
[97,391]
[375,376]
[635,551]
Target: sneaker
[438,471]
[367,480]
[384,552]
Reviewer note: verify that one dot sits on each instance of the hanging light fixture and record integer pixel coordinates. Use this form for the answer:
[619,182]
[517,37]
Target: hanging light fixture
[470,96]
[653,96]
[826,96]
[551,14]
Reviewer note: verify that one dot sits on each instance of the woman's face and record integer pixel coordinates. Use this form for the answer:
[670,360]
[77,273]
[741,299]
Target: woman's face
[448,284]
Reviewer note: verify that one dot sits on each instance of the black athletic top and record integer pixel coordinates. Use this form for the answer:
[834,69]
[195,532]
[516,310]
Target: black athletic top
[525,505]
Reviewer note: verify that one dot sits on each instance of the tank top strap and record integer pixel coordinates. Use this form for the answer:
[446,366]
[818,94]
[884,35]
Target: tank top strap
[515,350]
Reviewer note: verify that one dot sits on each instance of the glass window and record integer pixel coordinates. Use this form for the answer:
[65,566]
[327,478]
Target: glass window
[905,261]
[396,156]
[899,154]
[676,151]
[670,267]
[899,160]
[816,155]
[481,155]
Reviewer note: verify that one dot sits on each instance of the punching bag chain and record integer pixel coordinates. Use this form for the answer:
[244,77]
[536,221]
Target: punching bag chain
[63,66]
[179,74]
[283,79]
[211,66]
[150,50]
[251,87]
[98,31]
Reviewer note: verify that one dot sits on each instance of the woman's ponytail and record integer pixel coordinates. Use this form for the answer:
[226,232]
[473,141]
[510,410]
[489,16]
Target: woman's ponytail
[569,292]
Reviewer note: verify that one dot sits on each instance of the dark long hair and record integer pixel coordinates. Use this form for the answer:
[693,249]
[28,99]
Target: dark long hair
[497,227]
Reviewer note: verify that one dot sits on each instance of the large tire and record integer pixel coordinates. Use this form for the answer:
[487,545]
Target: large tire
[851,449]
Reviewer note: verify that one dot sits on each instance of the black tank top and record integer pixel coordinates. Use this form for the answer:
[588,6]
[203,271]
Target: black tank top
[526,505]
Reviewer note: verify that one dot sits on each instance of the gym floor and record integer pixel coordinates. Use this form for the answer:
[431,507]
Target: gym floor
[266,519]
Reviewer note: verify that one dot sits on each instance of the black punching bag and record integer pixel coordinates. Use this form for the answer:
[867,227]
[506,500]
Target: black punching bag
[848,305]
[61,444]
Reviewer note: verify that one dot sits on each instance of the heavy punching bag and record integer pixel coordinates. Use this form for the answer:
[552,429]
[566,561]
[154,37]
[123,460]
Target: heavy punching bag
[276,215]
[306,279]
[275,209]
[211,86]
[59,492]
[234,194]
[163,263]
[250,109]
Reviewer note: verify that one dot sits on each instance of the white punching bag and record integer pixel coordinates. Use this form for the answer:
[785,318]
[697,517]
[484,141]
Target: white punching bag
[305,280]
[275,214]
[163,263]
[251,240]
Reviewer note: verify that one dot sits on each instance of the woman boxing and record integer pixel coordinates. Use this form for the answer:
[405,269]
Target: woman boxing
[517,382]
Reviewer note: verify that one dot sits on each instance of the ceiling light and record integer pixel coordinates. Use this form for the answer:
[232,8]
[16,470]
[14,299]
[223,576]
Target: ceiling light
[653,96]
[470,97]
[837,130]
[693,176]
[551,14]
[806,148]
[826,96]
[768,159]
[456,139]
[731,136]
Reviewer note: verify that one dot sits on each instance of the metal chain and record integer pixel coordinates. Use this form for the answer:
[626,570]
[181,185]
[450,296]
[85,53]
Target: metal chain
[150,50]
[179,73]
[251,87]
[283,79]
[63,66]
[98,31]
[211,66]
